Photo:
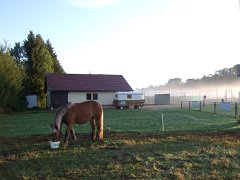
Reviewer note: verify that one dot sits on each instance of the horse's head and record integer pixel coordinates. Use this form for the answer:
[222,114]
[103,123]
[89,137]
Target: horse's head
[56,133]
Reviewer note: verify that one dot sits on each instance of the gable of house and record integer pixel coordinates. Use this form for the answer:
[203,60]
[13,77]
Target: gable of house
[86,82]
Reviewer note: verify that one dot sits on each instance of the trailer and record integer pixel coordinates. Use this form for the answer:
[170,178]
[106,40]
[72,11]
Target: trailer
[128,99]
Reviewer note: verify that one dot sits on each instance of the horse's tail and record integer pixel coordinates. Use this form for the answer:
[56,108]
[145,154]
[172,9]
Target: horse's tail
[101,128]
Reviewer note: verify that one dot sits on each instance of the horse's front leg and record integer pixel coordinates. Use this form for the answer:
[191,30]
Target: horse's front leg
[73,134]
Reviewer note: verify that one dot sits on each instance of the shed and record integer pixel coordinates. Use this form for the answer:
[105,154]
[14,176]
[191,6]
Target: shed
[162,99]
[31,101]
[75,88]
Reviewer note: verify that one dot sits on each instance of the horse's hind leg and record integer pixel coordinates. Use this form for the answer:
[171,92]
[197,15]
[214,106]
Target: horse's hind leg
[93,125]
[100,129]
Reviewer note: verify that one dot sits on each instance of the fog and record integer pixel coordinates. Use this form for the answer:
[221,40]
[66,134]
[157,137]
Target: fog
[213,93]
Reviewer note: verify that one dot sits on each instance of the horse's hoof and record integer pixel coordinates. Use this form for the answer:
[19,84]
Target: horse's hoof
[93,138]
[64,146]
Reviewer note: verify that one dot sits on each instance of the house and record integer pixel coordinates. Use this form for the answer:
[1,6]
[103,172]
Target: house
[75,88]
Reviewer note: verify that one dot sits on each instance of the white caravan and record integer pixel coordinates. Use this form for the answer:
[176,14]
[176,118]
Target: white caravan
[128,99]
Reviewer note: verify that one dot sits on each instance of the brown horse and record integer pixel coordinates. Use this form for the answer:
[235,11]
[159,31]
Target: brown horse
[78,113]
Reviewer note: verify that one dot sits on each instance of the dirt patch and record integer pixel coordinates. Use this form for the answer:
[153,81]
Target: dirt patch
[5,111]
[21,140]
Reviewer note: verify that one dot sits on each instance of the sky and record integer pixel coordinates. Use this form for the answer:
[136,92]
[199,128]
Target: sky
[146,41]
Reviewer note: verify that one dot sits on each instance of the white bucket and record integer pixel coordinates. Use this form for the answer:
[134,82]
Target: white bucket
[54,145]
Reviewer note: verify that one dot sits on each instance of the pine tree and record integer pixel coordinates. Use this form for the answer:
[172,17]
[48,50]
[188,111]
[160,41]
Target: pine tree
[56,64]
[39,63]
[18,53]
[36,58]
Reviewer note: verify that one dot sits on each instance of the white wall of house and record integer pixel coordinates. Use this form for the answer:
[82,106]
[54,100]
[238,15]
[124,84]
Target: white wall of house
[76,97]
[104,98]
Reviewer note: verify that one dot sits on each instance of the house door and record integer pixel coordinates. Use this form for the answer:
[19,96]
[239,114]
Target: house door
[58,99]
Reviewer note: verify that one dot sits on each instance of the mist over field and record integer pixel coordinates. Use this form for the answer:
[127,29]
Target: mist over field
[222,85]
[229,92]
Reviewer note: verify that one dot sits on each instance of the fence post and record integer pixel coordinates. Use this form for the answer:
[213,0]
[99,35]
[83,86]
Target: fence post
[236,110]
[215,107]
[200,104]
[189,104]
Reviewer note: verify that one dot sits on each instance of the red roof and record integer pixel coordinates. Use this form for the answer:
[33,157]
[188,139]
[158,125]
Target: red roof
[86,82]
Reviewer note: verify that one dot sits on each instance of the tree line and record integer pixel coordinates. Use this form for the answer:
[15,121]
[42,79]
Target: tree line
[23,69]
[220,77]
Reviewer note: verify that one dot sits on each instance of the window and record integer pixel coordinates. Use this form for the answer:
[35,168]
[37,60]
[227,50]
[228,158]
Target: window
[92,96]
[95,96]
[89,96]
[129,96]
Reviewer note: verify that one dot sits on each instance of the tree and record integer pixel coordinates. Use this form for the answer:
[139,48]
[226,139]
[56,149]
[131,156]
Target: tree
[11,78]
[57,68]
[18,53]
[39,63]
[176,82]
[23,70]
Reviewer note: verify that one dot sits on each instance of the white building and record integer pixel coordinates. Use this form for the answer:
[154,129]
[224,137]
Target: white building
[75,88]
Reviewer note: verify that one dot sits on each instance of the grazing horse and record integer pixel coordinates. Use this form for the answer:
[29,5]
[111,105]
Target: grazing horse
[78,113]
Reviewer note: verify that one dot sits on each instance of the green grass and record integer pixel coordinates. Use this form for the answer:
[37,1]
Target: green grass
[194,145]
[149,121]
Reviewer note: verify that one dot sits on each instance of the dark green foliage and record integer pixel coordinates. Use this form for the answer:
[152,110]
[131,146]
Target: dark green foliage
[41,59]
[36,58]
[23,69]
[39,63]
[18,53]
[57,68]
[11,82]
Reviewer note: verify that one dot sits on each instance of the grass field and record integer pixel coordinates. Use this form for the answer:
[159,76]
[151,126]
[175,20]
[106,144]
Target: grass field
[193,145]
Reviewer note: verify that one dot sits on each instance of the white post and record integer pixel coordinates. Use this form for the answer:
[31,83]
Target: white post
[162,123]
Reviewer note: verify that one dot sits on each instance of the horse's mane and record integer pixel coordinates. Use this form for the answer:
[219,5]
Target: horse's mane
[61,112]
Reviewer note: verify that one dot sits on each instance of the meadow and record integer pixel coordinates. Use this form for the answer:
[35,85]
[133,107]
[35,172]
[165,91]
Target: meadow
[138,144]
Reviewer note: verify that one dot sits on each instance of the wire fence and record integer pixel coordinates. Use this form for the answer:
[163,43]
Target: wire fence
[227,108]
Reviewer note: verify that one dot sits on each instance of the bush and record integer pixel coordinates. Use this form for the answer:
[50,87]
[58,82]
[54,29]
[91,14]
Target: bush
[11,86]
